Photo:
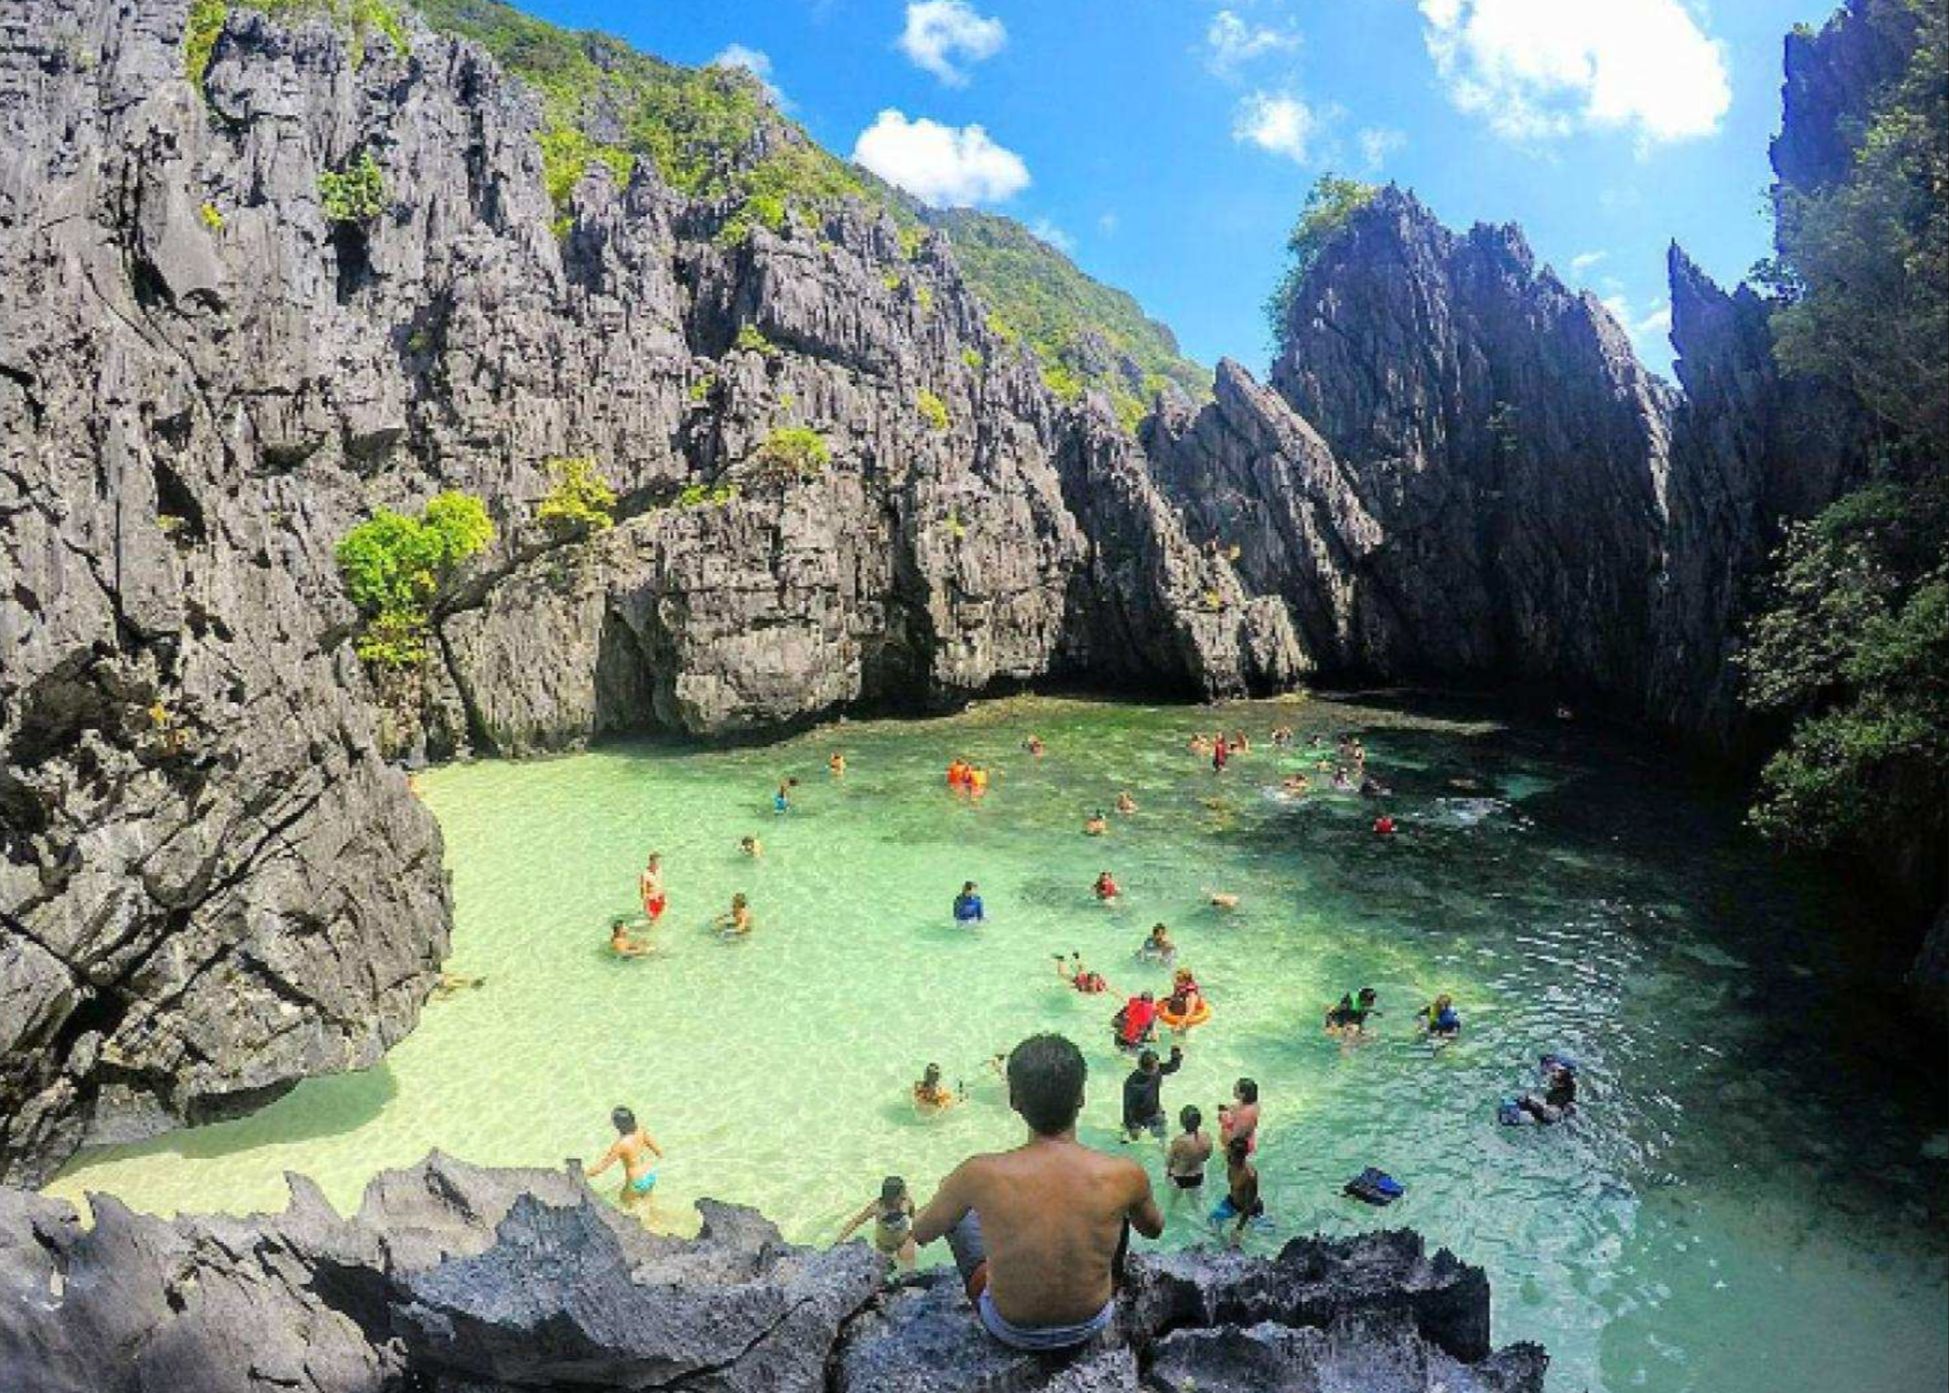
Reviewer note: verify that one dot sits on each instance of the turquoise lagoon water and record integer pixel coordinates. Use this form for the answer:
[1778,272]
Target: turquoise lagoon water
[1752,1199]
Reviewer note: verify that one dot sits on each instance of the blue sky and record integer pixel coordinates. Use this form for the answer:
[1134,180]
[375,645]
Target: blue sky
[1167,144]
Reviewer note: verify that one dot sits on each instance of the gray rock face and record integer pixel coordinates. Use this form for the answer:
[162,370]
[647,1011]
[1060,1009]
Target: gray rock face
[211,886]
[455,1277]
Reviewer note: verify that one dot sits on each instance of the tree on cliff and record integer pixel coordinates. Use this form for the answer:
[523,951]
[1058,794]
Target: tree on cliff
[1853,636]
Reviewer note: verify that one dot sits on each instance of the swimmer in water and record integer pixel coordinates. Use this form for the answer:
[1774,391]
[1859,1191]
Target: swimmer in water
[737,921]
[892,1216]
[1221,899]
[1440,1020]
[1106,888]
[1200,745]
[931,1095]
[1295,783]
[452,984]
[1034,746]
[1125,803]
[1349,1017]
[1190,1150]
[967,906]
[1241,1204]
[649,885]
[1158,948]
[621,944]
[1239,1119]
[635,1148]
[1081,978]
[1095,825]
[752,847]
[836,762]
[781,801]
[1384,825]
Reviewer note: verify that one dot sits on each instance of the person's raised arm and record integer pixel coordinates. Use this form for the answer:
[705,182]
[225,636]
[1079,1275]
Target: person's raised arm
[1144,1215]
[852,1225]
[1174,1063]
[951,1201]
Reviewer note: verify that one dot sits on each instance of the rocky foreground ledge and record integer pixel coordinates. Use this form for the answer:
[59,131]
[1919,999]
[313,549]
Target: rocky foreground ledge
[456,1279]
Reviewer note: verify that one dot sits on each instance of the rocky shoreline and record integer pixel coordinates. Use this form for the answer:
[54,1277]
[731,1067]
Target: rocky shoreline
[453,1278]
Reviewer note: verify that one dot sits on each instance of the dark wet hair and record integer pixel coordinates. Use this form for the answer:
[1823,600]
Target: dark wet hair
[618,923]
[1237,1149]
[1247,1090]
[1147,1059]
[966,886]
[892,1190]
[1145,996]
[931,1074]
[623,1119]
[1369,994]
[1190,1118]
[1045,1083]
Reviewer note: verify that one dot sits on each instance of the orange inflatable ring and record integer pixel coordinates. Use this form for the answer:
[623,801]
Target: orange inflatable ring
[1197,1015]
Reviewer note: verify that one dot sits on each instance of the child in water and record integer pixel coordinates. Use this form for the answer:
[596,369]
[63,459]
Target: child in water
[1240,1117]
[1241,1204]
[737,922]
[752,847]
[1095,825]
[1125,803]
[1348,1018]
[1439,1018]
[892,1214]
[967,905]
[781,801]
[930,1094]
[836,762]
[1106,888]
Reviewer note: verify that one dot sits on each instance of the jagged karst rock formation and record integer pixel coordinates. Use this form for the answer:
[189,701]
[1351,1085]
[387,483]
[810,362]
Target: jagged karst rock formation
[453,1277]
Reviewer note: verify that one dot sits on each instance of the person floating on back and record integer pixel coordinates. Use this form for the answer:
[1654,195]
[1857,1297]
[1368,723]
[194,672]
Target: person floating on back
[1143,1094]
[634,1147]
[1038,1233]
[1081,978]
[892,1214]
[967,905]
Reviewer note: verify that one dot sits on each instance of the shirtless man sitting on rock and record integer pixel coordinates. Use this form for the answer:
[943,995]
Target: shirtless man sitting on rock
[1038,1232]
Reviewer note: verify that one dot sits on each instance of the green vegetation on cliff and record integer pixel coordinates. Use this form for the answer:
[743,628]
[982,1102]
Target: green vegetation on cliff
[364,21]
[579,500]
[392,566]
[1852,638]
[1330,205]
[714,133]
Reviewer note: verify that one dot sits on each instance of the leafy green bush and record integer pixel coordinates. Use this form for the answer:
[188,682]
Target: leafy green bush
[1330,206]
[1063,380]
[932,409]
[1853,640]
[212,216]
[206,19]
[354,194]
[701,388]
[706,495]
[751,339]
[392,566]
[580,500]
[794,451]
[972,360]
[567,153]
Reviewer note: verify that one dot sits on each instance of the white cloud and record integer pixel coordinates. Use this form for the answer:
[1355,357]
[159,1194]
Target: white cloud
[1540,69]
[1647,329]
[1107,224]
[1583,261]
[1053,235]
[1233,42]
[1377,143]
[752,60]
[940,32]
[946,166]
[1278,123]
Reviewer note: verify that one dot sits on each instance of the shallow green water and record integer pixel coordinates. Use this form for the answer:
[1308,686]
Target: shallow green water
[1748,1202]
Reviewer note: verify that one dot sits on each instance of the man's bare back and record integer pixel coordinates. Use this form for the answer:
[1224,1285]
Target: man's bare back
[1052,1214]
